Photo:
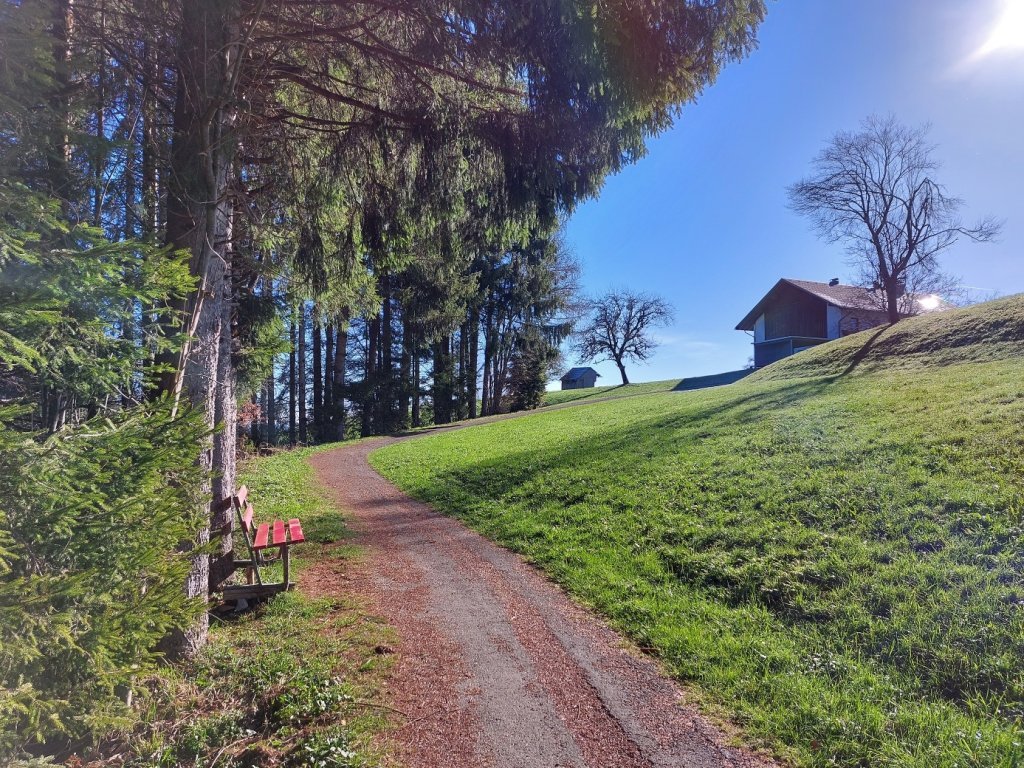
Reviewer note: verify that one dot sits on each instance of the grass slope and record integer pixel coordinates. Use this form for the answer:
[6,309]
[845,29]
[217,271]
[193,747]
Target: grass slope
[601,393]
[836,560]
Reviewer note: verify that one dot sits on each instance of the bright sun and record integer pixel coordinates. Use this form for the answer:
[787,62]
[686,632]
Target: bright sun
[1008,32]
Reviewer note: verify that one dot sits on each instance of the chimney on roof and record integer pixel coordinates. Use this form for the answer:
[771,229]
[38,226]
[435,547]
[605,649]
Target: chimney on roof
[834,282]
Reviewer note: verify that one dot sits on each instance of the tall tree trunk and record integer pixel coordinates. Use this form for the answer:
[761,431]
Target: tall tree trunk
[340,352]
[622,371]
[198,221]
[99,153]
[225,440]
[59,144]
[291,381]
[488,395]
[893,293]
[405,371]
[327,423]
[303,419]
[416,419]
[474,350]
[386,377]
[462,389]
[130,230]
[444,380]
[370,381]
[271,408]
[318,378]
[254,427]
[150,151]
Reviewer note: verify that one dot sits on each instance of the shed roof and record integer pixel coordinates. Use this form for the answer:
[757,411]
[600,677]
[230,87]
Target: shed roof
[578,373]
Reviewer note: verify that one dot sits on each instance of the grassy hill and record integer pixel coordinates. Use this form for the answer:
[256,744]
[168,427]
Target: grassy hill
[603,393]
[594,394]
[831,550]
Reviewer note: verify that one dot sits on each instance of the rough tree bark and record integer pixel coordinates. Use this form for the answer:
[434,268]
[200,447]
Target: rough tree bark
[473,327]
[225,440]
[340,352]
[386,375]
[318,378]
[370,384]
[303,418]
[291,381]
[198,213]
[327,420]
[417,420]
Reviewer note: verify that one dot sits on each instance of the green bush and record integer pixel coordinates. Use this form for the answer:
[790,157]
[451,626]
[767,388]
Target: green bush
[90,574]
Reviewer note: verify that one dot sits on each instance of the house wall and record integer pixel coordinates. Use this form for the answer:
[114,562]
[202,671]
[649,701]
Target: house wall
[856,320]
[759,330]
[795,313]
[774,350]
[586,381]
[834,316]
[768,352]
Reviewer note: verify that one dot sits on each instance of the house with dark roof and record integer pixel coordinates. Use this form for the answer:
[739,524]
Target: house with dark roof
[580,378]
[797,314]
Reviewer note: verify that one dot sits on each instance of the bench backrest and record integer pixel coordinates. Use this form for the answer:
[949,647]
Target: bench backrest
[240,501]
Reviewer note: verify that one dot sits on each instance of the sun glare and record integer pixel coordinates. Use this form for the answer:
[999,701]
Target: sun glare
[1008,32]
[929,303]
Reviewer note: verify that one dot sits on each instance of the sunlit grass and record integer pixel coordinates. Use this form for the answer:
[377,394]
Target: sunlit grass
[600,393]
[834,559]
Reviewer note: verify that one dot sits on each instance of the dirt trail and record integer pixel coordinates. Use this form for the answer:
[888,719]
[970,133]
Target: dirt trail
[496,666]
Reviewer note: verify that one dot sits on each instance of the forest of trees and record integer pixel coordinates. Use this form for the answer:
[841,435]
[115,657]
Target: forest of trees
[288,222]
[417,348]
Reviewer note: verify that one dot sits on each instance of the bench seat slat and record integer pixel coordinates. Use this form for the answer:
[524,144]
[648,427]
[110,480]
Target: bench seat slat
[262,532]
[242,495]
[295,531]
[279,537]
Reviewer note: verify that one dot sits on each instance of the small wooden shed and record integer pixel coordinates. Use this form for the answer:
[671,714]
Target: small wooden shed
[580,378]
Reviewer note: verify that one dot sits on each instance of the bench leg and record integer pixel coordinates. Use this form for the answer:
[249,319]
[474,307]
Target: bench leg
[285,561]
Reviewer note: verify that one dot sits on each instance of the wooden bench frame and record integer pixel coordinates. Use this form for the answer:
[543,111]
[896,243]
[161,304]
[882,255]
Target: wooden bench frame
[259,538]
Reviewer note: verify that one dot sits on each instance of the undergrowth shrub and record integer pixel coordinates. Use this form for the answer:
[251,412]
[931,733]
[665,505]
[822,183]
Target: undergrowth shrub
[91,576]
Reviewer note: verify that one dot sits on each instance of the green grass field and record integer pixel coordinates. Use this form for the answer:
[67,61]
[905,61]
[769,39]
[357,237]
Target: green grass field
[602,393]
[831,551]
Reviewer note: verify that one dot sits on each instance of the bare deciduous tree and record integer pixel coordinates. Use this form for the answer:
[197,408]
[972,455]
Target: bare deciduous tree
[874,190]
[618,328]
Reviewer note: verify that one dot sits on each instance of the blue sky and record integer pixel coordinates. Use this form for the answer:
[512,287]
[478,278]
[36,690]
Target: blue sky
[702,220]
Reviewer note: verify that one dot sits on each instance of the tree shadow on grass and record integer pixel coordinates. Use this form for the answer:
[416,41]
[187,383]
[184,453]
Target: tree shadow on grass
[864,351]
[643,442]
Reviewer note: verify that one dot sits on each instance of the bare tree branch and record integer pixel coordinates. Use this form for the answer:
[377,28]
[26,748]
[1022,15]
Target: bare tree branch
[875,191]
[618,326]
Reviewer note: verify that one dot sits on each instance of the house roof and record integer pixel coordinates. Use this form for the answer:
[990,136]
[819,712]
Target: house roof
[578,373]
[842,296]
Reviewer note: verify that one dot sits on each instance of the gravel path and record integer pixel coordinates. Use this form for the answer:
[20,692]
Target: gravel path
[496,666]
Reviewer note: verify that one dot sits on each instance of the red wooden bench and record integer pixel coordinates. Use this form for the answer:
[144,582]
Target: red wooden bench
[260,537]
